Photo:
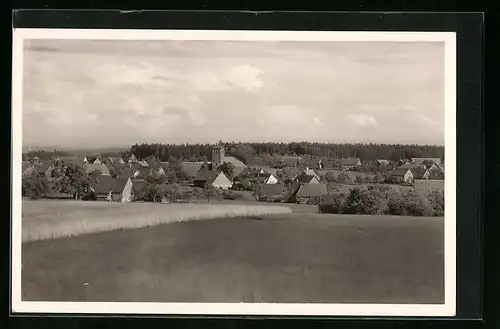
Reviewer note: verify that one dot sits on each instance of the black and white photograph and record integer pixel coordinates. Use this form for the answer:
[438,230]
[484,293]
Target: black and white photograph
[234,172]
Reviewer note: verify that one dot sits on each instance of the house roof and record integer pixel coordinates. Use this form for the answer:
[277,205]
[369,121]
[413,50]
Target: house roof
[418,172]
[399,172]
[349,161]
[138,184]
[144,163]
[303,178]
[312,190]
[143,172]
[410,165]
[207,175]
[232,160]
[272,189]
[290,172]
[106,184]
[383,162]
[191,168]
[90,167]
[310,172]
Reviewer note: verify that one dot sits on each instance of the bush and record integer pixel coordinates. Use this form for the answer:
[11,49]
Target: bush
[410,204]
[436,199]
[333,204]
[231,195]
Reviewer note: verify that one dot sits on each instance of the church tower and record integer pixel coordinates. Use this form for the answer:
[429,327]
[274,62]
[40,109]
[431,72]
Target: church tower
[218,154]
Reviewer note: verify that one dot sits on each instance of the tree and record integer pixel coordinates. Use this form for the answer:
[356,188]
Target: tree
[228,169]
[34,186]
[75,182]
[210,191]
[257,192]
[152,192]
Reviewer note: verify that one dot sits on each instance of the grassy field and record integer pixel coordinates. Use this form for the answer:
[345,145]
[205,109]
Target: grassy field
[46,219]
[294,257]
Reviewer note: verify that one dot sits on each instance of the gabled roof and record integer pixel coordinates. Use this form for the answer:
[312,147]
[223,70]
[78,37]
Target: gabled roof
[106,184]
[311,172]
[207,176]
[143,172]
[191,168]
[137,184]
[272,189]
[303,178]
[312,190]
[90,167]
[144,163]
[290,172]
[232,160]
[418,172]
[383,162]
[410,165]
[399,172]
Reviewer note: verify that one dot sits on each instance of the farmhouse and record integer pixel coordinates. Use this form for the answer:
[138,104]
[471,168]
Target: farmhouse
[191,169]
[113,189]
[271,192]
[116,160]
[271,180]
[311,172]
[308,191]
[436,167]
[304,178]
[214,178]
[102,168]
[349,163]
[420,173]
[383,163]
[132,159]
[402,175]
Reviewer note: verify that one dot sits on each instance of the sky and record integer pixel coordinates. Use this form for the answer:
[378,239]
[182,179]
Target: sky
[104,93]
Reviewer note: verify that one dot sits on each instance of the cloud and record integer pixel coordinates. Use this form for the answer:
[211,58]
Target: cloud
[363,120]
[245,77]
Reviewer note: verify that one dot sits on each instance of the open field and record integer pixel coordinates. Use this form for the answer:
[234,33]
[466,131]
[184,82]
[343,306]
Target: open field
[284,258]
[45,219]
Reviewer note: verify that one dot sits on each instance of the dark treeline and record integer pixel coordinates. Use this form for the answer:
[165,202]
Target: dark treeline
[247,151]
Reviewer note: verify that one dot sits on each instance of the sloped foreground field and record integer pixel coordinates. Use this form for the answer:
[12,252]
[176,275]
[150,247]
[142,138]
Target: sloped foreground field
[46,219]
[283,258]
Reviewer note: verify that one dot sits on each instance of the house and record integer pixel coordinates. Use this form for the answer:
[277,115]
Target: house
[271,180]
[142,173]
[144,163]
[348,163]
[436,167]
[191,169]
[410,165]
[271,192]
[423,186]
[422,161]
[308,191]
[420,173]
[113,189]
[157,170]
[214,178]
[89,159]
[383,162]
[311,172]
[402,175]
[132,159]
[137,187]
[102,168]
[304,178]
[289,173]
[115,160]
[97,161]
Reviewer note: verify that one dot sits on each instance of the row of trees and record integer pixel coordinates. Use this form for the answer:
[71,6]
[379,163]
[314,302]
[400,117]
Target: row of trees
[380,200]
[248,151]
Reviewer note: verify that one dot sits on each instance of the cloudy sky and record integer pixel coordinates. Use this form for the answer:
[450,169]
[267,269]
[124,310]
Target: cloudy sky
[91,93]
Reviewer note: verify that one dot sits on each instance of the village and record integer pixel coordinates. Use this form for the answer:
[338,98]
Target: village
[292,179]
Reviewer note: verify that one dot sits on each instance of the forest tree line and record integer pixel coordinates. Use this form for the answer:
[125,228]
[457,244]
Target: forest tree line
[252,153]
[248,152]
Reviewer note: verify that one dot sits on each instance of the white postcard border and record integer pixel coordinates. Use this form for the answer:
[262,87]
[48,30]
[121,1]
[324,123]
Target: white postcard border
[270,309]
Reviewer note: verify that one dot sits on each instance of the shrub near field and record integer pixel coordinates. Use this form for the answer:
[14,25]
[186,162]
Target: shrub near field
[379,200]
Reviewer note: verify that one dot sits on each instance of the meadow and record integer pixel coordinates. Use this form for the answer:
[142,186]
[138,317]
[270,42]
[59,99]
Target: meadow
[292,255]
